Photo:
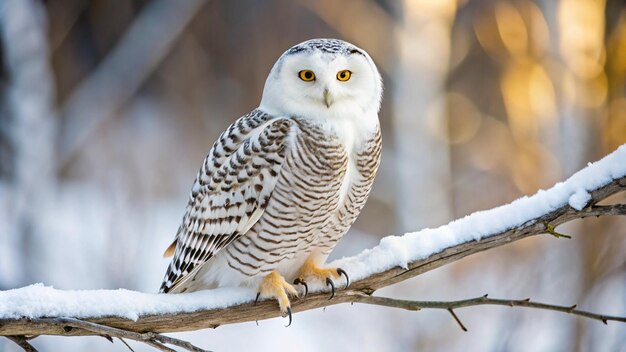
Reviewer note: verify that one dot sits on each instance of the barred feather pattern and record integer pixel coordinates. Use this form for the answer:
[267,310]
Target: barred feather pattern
[302,193]
[366,162]
[307,214]
[231,190]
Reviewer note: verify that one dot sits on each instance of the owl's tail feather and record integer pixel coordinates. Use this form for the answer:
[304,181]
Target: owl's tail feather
[170,250]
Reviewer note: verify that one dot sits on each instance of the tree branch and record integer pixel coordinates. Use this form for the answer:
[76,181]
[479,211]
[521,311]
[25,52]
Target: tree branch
[147,325]
[22,342]
[150,338]
[482,300]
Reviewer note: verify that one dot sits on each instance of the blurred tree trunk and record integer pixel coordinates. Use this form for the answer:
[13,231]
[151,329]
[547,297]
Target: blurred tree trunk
[423,161]
[28,102]
[578,28]
[120,75]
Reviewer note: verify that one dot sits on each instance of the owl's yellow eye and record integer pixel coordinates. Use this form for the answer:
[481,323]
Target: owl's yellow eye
[306,75]
[344,75]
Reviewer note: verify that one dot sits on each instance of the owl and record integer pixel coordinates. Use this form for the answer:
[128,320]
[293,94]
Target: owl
[285,182]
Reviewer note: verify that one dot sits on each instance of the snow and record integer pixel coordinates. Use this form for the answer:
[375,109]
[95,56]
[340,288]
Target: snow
[36,301]
[39,301]
[398,251]
[579,199]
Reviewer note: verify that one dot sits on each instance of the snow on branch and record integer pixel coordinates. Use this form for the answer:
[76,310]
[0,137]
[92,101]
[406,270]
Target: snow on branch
[40,310]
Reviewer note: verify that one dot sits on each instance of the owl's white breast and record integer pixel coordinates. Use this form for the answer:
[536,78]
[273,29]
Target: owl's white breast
[353,134]
[352,125]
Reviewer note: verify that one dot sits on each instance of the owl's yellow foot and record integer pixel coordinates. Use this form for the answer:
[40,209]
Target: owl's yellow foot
[275,286]
[311,272]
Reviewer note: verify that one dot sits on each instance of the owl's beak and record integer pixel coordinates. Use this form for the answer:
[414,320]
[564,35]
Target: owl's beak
[328,98]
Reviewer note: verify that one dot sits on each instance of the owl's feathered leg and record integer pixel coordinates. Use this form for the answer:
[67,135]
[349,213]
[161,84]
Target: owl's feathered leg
[275,286]
[312,272]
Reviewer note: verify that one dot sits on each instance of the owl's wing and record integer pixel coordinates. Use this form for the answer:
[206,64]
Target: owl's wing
[229,194]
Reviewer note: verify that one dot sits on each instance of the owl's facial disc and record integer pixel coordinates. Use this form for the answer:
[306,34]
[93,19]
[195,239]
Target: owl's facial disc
[326,80]
[323,84]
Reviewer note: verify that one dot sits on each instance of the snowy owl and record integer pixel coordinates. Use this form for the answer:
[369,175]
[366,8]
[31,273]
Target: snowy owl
[285,182]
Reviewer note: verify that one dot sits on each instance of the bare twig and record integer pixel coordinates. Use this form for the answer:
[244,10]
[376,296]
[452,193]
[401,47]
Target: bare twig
[179,343]
[603,210]
[457,319]
[159,346]
[150,338]
[550,229]
[126,343]
[23,343]
[482,300]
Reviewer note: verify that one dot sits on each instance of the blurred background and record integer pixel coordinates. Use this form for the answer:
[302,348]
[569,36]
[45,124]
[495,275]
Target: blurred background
[107,109]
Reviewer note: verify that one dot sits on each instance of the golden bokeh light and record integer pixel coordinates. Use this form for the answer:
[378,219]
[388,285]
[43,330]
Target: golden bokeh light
[539,31]
[512,29]
[541,95]
[616,123]
[514,85]
[581,27]
[616,49]
[531,160]
[464,119]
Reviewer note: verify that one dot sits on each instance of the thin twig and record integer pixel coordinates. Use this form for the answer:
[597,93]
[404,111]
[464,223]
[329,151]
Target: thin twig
[604,210]
[23,343]
[550,229]
[126,343]
[482,300]
[457,319]
[176,342]
[106,337]
[150,338]
[159,346]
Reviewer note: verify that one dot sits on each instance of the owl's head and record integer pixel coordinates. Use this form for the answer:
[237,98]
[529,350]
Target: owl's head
[323,78]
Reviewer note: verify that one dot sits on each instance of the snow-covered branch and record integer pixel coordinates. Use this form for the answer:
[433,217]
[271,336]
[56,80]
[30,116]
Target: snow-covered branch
[40,310]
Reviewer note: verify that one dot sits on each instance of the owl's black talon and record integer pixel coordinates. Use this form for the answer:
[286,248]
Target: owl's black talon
[257,298]
[299,281]
[289,314]
[344,273]
[330,283]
